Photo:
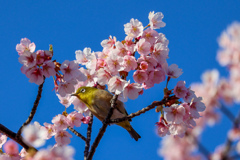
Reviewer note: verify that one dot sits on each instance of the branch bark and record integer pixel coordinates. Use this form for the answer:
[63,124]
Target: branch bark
[77,133]
[103,129]
[13,136]
[89,132]
[34,109]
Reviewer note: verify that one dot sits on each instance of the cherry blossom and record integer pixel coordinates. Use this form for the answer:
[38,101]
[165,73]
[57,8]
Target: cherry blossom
[134,28]
[28,59]
[35,134]
[60,122]
[173,71]
[175,113]
[74,119]
[143,47]
[116,85]
[25,45]
[63,137]
[132,90]
[155,20]
[180,90]
[140,76]
[3,139]
[108,43]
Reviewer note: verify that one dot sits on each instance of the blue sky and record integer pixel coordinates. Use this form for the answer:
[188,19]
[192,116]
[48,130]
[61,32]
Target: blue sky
[192,28]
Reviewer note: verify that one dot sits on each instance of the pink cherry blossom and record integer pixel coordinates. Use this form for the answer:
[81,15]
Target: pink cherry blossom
[120,49]
[144,65]
[48,69]
[180,89]
[35,134]
[129,45]
[140,76]
[155,20]
[134,28]
[11,148]
[63,137]
[173,71]
[189,96]
[150,35]
[79,105]
[178,129]
[51,131]
[132,90]
[28,59]
[103,76]
[162,129]
[69,69]
[43,56]
[43,154]
[86,120]
[160,52]
[3,139]
[60,122]
[66,101]
[143,47]
[114,63]
[116,85]
[196,106]
[74,119]
[129,63]
[108,43]
[175,113]
[66,88]
[162,39]
[63,152]
[36,75]
[25,45]
[152,63]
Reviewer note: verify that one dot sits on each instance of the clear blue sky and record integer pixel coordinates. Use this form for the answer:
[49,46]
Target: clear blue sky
[192,28]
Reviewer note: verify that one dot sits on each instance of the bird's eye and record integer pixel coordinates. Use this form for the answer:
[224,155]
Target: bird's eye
[83,90]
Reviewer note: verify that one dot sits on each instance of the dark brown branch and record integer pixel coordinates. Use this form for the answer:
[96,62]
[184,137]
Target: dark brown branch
[13,136]
[89,132]
[228,144]
[77,133]
[130,116]
[103,129]
[227,112]
[34,109]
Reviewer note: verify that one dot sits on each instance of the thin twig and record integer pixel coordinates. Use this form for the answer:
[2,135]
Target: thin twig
[13,136]
[228,144]
[34,109]
[89,132]
[77,133]
[130,116]
[227,112]
[103,129]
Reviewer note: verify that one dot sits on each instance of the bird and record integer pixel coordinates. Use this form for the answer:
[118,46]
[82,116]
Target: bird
[98,102]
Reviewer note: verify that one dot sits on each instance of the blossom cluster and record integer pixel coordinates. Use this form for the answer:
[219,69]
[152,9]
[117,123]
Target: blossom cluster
[178,116]
[56,152]
[141,57]
[216,92]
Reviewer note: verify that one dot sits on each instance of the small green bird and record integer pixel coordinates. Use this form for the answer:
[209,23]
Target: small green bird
[98,102]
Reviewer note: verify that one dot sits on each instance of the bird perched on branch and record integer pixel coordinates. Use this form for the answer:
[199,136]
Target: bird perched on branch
[98,102]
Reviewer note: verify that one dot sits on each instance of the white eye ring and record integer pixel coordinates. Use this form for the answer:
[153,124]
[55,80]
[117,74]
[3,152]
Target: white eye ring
[83,90]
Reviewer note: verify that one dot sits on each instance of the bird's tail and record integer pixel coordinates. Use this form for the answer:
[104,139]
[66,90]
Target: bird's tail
[133,133]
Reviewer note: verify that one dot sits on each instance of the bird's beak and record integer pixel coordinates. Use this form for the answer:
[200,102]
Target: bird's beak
[74,94]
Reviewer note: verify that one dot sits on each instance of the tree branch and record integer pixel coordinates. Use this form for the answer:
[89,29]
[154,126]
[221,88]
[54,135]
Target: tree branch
[89,132]
[34,109]
[227,112]
[13,136]
[77,133]
[132,115]
[228,144]
[103,129]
